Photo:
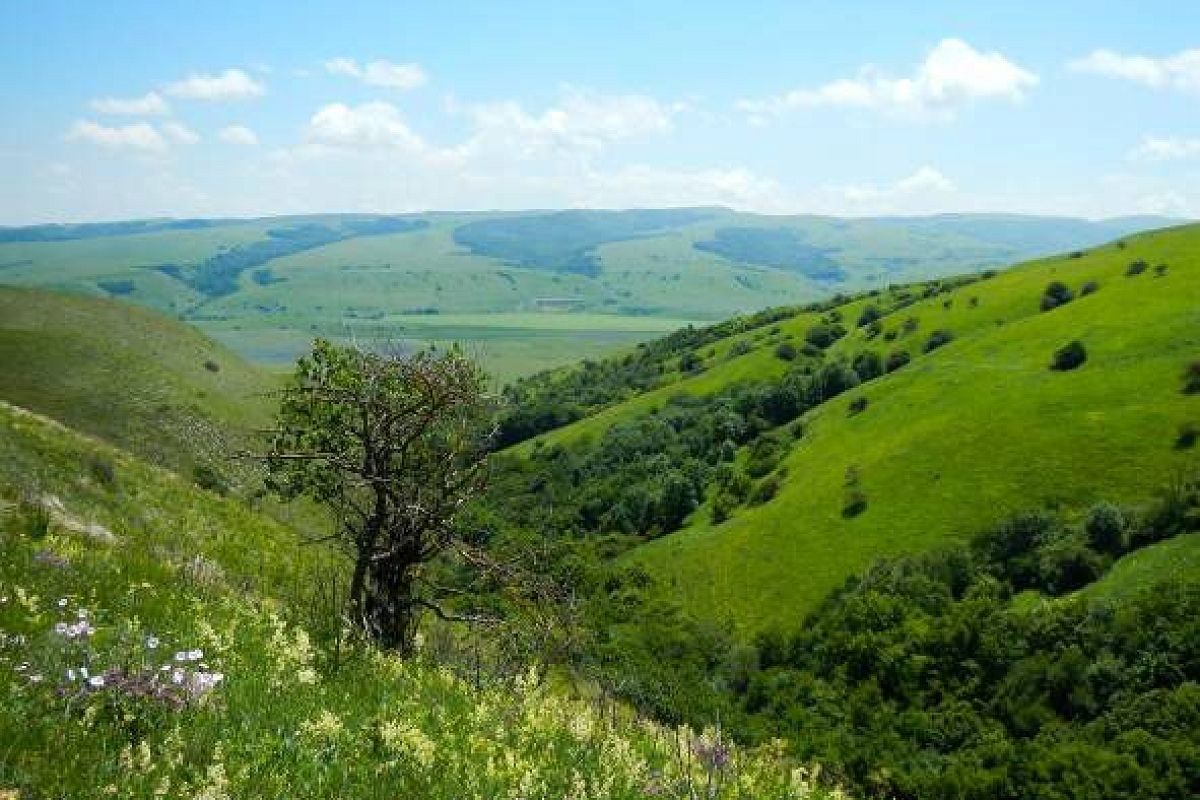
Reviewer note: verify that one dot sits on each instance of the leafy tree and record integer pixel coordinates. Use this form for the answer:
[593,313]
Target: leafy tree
[938,338]
[870,313]
[394,446]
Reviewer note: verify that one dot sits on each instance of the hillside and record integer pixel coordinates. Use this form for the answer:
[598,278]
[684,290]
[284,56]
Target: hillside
[605,279]
[131,376]
[148,649]
[932,449]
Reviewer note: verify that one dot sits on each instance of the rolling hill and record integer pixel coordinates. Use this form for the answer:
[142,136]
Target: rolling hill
[267,286]
[132,376]
[945,444]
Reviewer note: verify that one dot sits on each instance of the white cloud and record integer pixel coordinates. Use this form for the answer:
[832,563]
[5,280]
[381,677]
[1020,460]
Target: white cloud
[149,104]
[370,126]
[924,182]
[952,75]
[139,136]
[649,187]
[1180,71]
[238,134]
[1162,148]
[582,123]
[180,133]
[232,84]
[380,73]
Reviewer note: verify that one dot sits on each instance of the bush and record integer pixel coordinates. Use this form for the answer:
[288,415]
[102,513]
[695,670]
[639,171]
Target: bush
[1136,268]
[103,471]
[868,365]
[1068,357]
[766,490]
[911,324]
[855,500]
[938,338]
[1191,378]
[858,405]
[869,314]
[896,360]
[874,329]
[1105,528]
[1088,288]
[739,348]
[208,477]
[1160,270]
[824,335]
[1189,432]
[212,366]
[1056,294]
[786,351]
[890,336]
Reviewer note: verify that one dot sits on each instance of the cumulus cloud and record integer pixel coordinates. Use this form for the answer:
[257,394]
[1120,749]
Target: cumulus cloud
[238,134]
[925,181]
[180,133]
[1180,71]
[149,104]
[232,84]
[581,123]
[952,75]
[139,136]
[380,73]
[370,126]
[1164,148]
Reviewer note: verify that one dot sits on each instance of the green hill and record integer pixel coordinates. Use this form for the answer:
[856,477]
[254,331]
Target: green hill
[956,439]
[131,376]
[267,286]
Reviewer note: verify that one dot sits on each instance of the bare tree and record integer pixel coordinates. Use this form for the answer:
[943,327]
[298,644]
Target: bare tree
[394,445]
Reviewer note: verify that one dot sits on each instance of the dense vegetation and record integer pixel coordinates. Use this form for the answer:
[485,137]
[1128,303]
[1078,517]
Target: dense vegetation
[781,248]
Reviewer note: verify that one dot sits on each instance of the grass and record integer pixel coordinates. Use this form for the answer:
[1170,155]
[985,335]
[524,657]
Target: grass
[1147,569]
[131,376]
[127,670]
[959,438]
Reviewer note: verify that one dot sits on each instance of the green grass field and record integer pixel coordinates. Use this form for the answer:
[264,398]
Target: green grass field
[959,438]
[134,377]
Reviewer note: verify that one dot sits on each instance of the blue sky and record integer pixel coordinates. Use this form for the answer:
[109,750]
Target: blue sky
[141,109]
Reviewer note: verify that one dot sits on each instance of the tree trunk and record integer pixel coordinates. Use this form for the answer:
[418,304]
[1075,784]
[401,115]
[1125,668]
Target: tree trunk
[392,610]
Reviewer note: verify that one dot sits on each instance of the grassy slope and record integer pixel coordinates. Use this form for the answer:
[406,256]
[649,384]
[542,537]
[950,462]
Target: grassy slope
[128,375]
[1146,569]
[279,723]
[961,436]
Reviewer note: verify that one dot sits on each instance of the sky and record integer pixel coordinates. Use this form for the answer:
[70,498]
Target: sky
[129,109]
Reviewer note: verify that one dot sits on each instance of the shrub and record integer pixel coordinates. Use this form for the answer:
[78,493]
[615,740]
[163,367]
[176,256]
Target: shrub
[1056,294]
[974,302]
[869,314]
[103,471]
[1189,432]
[874,329]
[766,489]
[911,324]
[690,362]
[896,360]
[855,500]
[212,366]
[824,335]
[1191,378]
[1105,528]
[208,477]
[35,520]
[1088,288]
[1136,268]
[858,405]
[938,338]
[1069,356]
[739,348]
[1160,270]
[786,351]
[890,336]
[868,365]
[765,453]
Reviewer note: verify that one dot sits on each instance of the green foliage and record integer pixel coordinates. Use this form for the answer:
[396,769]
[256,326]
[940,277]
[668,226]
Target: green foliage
[825,334]
[870,315]
[1136,267]
[1105,529]
[1068,357]
[1191,378]
[896,359]
[939,338]
[1056,294]
[786,351]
